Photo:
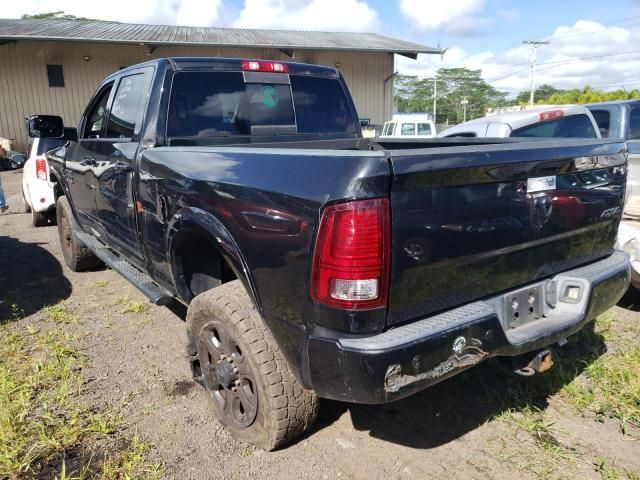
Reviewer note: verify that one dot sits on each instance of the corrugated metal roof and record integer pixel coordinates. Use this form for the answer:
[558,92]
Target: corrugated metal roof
[112,32]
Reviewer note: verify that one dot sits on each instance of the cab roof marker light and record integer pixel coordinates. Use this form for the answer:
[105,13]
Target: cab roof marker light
[264,66]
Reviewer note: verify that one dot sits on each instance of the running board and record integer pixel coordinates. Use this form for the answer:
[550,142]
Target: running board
[140,280]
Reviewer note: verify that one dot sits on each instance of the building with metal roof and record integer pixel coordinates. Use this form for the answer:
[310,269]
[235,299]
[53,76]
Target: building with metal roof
[53,66]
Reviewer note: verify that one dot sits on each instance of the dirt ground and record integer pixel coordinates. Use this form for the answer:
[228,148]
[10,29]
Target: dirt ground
[137,364]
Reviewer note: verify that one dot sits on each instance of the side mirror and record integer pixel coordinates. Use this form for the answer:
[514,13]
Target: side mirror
[365,122]
[45,126]
[71,133]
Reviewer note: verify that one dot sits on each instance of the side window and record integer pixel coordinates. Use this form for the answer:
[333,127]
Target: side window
[408,129]
[603,119]
[126,111]
[634,123]
[424,129]
[97,115]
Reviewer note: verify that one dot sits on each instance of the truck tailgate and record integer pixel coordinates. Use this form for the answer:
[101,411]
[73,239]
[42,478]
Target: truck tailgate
[469,222]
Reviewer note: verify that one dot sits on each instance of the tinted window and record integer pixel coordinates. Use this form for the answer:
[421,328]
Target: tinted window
[408,129]
[97,115]
[634,123]
[572,126]
[222,104]
[603,119]
[424,129]
[126,111]
[46,144]
[321,105]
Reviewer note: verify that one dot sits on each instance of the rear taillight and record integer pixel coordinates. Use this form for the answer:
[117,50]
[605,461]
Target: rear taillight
[262,66]
[41,168]
[351,258]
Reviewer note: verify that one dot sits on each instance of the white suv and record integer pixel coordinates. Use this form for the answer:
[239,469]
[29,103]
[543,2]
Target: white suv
[37,189]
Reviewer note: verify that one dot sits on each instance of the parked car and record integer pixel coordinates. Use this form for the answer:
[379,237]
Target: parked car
[37,188]
[621,119]
[13,160]
[562,121]
[406,125]
[318,264]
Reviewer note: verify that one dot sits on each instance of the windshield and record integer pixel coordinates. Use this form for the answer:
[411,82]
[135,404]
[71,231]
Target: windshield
[213,104]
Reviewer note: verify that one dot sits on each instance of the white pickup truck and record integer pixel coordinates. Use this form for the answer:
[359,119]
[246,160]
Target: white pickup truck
[556,121]
[404,125]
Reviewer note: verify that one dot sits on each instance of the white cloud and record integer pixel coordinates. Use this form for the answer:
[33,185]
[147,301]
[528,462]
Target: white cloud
[185,12]
[586,53]
[458,17]
[349,15]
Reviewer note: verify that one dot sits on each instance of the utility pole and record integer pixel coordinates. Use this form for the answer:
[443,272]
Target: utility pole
[435,93]
[464,102]
[532,59]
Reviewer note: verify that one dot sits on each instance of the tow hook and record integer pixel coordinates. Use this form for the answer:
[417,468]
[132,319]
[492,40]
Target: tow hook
[542,362]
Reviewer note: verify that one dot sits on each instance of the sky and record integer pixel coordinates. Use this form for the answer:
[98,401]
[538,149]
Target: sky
[591,42]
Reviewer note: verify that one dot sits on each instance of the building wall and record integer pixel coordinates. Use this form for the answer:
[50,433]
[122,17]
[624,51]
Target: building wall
[24,87]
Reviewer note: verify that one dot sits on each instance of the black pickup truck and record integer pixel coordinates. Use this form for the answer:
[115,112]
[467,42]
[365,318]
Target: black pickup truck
[317,264]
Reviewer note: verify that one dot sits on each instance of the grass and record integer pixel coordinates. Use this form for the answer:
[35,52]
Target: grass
[610,384]
[606,469]
[135,306]
[41,416]
[101,283]
[596,374]
[59,313]
[541,453]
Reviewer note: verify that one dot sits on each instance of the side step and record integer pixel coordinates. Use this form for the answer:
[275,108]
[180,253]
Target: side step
[140,280]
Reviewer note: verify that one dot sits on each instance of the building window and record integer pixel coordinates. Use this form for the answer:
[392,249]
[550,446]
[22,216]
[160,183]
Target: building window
[55,75]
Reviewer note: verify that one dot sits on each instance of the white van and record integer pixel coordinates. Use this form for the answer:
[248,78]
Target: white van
[409,126]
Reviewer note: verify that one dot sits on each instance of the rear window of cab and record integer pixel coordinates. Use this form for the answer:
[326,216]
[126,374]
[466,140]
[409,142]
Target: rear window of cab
[214,104]
[571,126]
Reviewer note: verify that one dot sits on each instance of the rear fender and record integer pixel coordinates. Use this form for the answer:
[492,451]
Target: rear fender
[207,225]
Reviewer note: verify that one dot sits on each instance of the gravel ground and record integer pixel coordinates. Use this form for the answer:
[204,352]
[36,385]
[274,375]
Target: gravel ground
[138,365]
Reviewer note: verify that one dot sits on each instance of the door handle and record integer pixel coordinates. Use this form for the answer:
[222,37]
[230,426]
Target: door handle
[122,167]
[89,160]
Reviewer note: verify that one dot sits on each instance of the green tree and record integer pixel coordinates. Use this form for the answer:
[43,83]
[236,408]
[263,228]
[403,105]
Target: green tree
[542,94]
[57,15]
[414,94]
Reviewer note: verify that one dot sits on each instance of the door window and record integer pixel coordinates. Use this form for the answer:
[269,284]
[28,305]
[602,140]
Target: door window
[97,115]
[424,129]
[128,104]
[408,129]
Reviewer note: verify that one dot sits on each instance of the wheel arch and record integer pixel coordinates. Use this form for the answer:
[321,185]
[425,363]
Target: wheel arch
[190,222]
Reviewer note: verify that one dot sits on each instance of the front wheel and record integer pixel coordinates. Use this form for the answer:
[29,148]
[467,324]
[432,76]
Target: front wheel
[76,256]
[252,390]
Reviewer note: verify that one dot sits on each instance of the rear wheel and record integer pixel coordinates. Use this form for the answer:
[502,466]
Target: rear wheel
[76,256]
[252,390]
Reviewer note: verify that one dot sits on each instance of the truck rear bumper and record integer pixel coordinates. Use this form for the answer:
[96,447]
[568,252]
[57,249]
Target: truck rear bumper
[406,359]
